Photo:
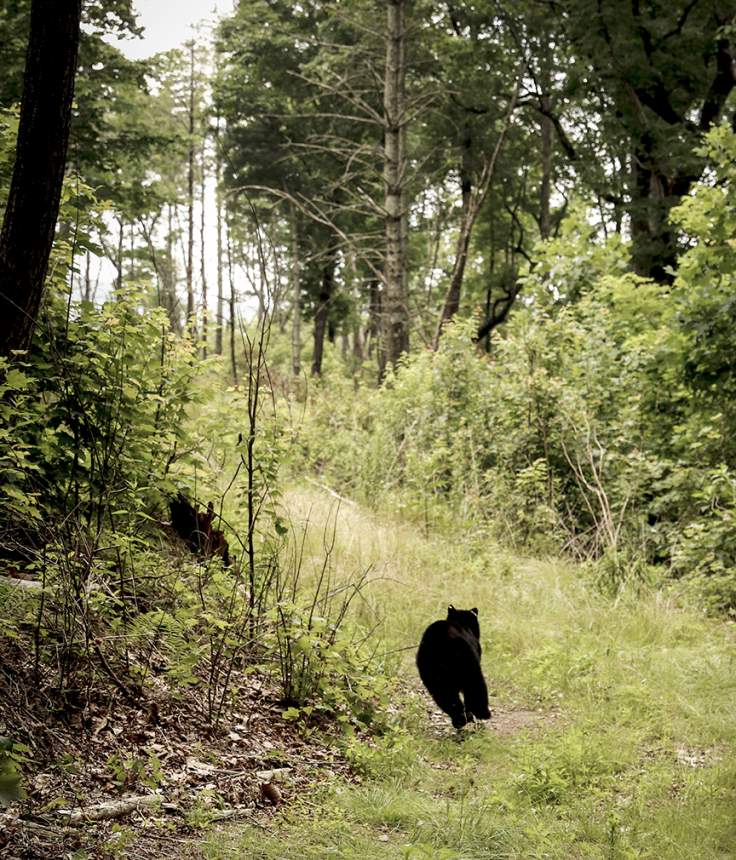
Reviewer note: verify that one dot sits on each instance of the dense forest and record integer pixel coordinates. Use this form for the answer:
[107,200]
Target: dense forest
[338,314]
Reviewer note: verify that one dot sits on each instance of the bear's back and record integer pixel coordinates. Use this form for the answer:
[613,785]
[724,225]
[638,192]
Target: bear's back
[446,642]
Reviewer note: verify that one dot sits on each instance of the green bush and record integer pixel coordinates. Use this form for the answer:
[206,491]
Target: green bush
[602,424]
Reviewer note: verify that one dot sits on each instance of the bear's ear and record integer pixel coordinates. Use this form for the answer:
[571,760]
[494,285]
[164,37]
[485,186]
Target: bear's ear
[474,610]
[451,609]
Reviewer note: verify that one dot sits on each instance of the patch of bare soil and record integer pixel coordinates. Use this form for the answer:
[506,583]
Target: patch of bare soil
[510,721]
[138,780]
[506,720]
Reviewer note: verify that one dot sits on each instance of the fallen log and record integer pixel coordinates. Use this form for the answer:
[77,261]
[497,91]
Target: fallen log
[110,809]
[274,774]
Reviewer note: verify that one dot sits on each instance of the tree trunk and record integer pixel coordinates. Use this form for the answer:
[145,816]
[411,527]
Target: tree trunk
[120,256]
[202,267]
[321,317]
[218,203]
[653,243]
[170,299]
[296,288]
[87,278]
[375,316]
[395,310]
[131,238]
[233,361]
[35,189]
[357,343]
[355,286]
[191,324]
[545,188]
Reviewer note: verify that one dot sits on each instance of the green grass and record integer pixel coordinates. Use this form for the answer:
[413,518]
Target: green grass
[631,752]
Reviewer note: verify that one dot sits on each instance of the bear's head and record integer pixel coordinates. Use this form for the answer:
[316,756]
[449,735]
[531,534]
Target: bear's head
[465,618]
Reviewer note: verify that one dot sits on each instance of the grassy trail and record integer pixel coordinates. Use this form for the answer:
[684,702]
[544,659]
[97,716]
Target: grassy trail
[614,734]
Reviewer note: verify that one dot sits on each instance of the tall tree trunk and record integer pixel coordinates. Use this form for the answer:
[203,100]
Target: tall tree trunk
[191,323]
[355,286]
[395,310]
[171,301]
[321,317]
[296,291]
[218,204]
[357,343]
[375,316]
[120,264]
[653,243]
[546,130]
[35,189]
[87,278]
[202,267]
[545,188]
[233,361]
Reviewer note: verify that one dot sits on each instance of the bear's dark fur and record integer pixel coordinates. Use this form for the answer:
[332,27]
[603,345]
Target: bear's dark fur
[195,529]
[448,660]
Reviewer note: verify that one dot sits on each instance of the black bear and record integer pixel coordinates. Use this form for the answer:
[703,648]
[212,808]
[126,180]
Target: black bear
[448,660]
[195,529]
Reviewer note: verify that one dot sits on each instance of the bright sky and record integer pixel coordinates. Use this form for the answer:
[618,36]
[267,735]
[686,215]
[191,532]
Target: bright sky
[168,24]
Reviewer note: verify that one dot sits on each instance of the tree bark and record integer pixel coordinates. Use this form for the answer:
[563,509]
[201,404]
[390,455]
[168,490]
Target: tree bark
[202,267]
[545,188]
[321,317]
[87,297]
[233,360]
[374,326]
[653,243]
[191,324]
[356,326]
[394,304]
[296,289]
[35,189]
[121,253]
[218,204]
[171,301]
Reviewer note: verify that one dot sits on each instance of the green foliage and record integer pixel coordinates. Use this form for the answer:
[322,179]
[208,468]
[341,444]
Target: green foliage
[611,734]
[12,756]
[94,415]
[130,770]
[324,665]
[577,763]
[8,134]
[601,424]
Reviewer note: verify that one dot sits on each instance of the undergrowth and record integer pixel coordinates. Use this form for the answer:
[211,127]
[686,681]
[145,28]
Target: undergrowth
[627,744]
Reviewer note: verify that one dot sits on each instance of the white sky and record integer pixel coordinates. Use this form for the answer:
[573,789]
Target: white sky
[168,24]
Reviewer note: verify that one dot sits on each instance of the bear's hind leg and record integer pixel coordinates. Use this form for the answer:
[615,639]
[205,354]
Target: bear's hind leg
[476,696]
[450,703]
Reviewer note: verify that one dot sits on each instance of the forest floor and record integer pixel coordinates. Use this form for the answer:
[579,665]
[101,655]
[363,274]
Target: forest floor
[613,732]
